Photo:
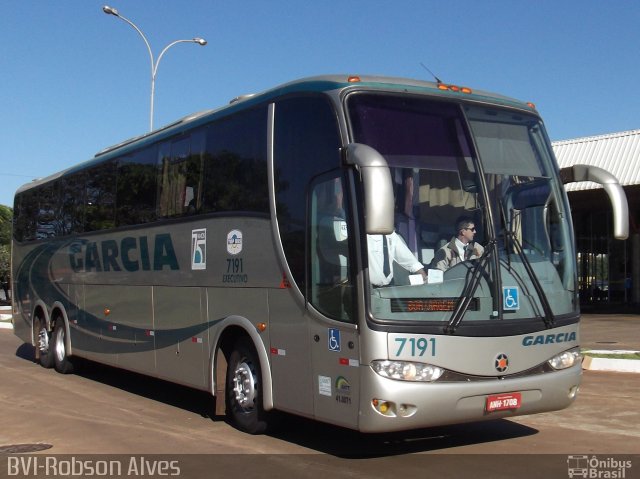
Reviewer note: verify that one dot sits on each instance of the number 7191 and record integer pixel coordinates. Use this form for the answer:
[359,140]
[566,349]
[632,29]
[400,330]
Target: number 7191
[416,346]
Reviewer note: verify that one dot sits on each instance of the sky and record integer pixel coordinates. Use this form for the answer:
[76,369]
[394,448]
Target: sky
[74,80]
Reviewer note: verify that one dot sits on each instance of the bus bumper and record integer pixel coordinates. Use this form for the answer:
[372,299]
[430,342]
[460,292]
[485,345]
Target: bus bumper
[389,405]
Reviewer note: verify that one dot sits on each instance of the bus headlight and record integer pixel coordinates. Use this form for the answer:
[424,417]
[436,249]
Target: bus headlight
[407,371]
[566,359]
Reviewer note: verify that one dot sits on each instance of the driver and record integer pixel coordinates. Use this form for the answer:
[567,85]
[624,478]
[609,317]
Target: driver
[460,248]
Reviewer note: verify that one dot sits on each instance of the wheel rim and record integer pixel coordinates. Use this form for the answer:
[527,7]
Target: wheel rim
[43,340]
[58,346]
[245,387]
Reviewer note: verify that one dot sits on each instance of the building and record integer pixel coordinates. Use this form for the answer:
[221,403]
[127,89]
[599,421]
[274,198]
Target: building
[608,269]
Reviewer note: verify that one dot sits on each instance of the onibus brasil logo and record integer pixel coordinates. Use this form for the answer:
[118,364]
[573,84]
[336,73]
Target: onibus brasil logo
[595,467]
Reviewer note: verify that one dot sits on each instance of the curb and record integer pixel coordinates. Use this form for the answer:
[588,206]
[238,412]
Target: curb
[5,317]
[610,364]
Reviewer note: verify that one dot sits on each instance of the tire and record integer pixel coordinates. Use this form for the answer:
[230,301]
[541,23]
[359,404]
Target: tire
[44,353]
[244,389]
[62,361]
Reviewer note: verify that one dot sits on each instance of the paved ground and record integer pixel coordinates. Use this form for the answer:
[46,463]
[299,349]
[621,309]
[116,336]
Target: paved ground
[106,410]
[109,411]
[610,331]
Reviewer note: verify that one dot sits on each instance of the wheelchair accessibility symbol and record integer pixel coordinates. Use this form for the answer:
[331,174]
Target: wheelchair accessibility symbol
[334,339]
[510,298]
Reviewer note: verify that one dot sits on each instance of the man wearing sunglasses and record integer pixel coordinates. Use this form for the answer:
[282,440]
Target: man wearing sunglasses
[461,248]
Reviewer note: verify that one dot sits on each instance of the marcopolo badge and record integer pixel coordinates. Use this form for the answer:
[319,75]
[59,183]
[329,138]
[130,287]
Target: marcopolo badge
[234,242]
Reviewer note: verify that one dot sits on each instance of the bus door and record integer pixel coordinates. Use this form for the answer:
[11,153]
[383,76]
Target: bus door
[313,340]
[334,340]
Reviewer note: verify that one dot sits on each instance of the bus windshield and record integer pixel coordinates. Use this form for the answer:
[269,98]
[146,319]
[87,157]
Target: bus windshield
[480,214]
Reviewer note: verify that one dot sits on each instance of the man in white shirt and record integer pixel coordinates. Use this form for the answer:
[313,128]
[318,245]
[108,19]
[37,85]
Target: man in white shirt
[383,251]
[460,248]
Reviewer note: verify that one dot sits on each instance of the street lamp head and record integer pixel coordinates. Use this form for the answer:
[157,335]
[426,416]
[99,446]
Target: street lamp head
[200,41]
[110,10]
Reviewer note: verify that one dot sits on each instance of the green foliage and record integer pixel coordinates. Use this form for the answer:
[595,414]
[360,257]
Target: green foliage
[6,217]
[5,261]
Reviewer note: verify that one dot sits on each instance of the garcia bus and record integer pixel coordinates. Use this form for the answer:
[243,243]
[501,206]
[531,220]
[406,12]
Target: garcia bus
[228,252]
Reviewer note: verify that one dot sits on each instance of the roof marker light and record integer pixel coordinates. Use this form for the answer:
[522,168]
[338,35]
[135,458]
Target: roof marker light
[353,79]
[531,105]
[454,88]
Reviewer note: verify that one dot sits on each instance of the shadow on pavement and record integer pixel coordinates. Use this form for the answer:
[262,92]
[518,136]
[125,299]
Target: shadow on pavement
[345,443]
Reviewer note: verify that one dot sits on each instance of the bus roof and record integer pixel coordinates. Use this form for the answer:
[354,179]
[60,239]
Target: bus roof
[323,83]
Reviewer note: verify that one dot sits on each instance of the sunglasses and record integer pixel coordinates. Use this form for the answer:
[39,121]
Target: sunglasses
[470,229]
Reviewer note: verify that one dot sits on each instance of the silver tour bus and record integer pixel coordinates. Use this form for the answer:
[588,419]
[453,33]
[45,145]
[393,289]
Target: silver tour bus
[289,252]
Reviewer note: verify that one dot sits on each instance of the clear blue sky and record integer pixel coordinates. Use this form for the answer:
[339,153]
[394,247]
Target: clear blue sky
[74,80]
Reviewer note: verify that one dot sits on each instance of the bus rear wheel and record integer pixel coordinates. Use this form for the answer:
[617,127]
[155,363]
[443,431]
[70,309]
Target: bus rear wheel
[43,344]
[61,359]
[244,389]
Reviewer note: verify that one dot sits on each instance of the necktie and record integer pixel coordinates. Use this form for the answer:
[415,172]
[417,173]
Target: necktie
[385,257]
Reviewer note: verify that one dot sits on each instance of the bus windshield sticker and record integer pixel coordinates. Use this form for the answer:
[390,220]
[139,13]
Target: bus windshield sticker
[510,298]
[199,249]
[234,242]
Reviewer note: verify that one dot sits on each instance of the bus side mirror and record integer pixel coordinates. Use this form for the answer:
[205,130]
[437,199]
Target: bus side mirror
[377,184]
[610,184]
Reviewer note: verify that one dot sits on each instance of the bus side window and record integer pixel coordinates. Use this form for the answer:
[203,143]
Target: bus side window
[181,176]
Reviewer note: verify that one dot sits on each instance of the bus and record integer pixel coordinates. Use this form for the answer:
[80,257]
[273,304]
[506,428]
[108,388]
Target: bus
[230,252]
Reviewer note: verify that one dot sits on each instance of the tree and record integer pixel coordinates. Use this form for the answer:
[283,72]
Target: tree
[6,219]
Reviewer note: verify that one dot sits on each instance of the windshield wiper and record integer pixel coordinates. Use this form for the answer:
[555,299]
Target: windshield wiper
[471,285]
[549,318]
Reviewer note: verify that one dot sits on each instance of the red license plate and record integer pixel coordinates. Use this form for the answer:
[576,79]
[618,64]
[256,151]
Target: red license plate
[502,402]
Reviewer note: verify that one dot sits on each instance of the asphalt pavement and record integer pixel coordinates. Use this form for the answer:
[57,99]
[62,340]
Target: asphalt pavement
[610,331]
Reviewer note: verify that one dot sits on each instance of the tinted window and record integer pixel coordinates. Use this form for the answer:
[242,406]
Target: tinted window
[174,161]
[306,143]
[25,215]
[330,280]
[100,199]
[137,188]
[48,209]
[73,201]
[235,166]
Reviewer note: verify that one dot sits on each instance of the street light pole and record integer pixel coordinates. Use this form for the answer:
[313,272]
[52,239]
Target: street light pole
[154,63]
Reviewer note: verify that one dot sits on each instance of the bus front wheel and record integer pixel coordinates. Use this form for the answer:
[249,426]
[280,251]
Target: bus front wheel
[244,389]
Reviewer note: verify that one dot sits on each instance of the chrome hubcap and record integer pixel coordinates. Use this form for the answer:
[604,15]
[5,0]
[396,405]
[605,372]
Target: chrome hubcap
[43,341]
[244,386]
